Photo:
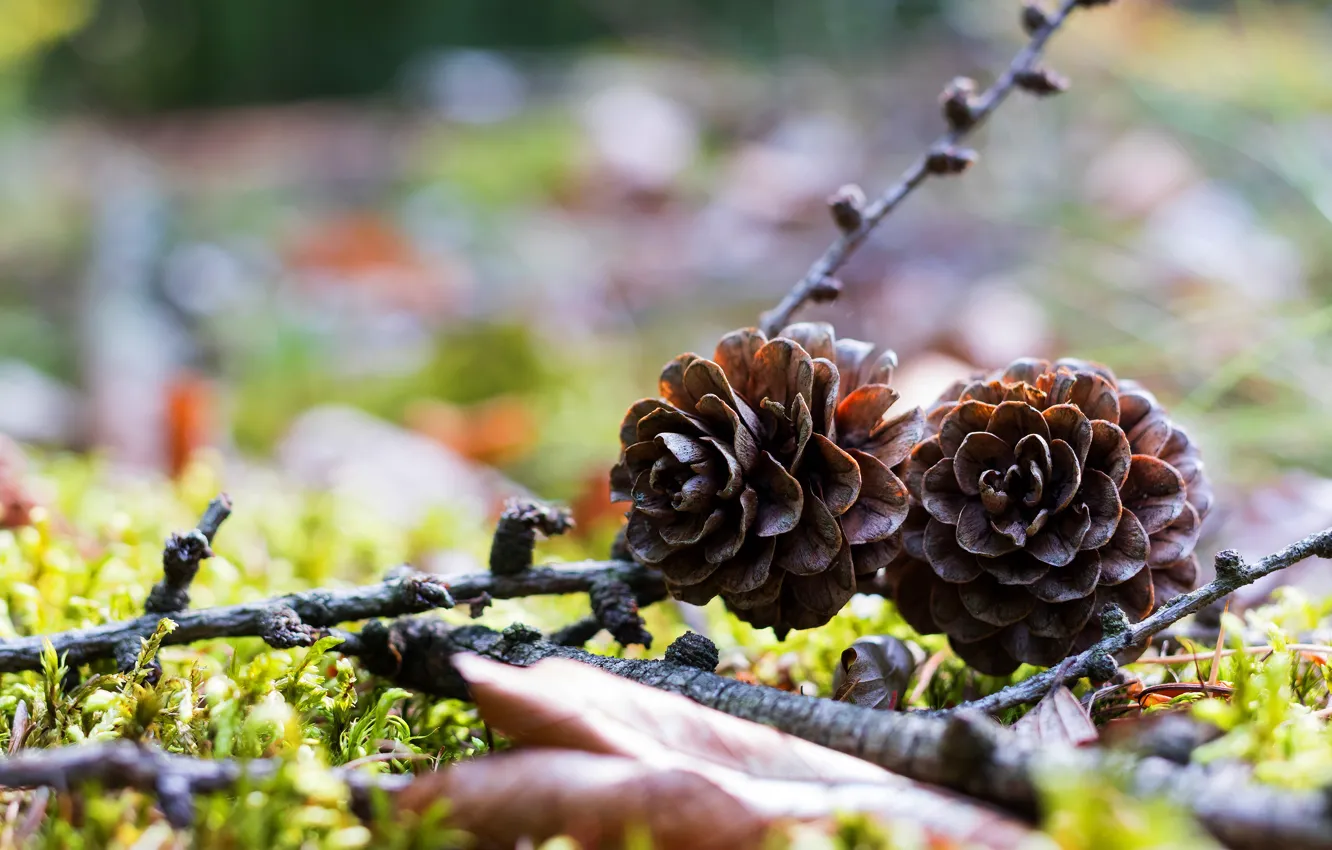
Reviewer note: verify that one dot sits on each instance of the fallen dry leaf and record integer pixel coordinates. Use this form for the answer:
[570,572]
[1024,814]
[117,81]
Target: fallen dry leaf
[874,672]
[746,777]
[1059,718]
[560,703]
[594,799]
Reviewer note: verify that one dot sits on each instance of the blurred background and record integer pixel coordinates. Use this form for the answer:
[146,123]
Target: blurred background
[425,254]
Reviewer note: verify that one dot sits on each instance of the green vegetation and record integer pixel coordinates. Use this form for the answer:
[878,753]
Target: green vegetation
[95,553]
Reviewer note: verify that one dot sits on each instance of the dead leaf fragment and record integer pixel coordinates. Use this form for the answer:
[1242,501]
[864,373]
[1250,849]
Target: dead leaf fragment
[618,755]
[874,672]
[1058,719]
[594,799]
[561,703]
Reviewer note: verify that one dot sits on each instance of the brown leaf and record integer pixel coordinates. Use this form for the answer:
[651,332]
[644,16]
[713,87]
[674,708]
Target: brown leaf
[874,672]
[594,799]
[560,703]
[18,727]
[625,755]
[1058,719]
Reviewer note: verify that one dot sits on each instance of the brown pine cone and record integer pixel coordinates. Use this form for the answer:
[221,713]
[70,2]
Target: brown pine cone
[1043,493]
[764,475]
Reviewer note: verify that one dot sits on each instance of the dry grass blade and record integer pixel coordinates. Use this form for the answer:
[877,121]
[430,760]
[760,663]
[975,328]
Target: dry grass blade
[1220,647]
[18,728]
[927,671]
[695,765]
[1308,650]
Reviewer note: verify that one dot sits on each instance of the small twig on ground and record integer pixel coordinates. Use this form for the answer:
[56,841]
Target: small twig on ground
[174,779]
[300,618]
[1231,574]
[964,111]
[181,557]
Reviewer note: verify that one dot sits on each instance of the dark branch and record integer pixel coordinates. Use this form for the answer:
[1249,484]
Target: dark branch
[181,557]
[297,618]
[1231,574]
[963,112]
[174,779]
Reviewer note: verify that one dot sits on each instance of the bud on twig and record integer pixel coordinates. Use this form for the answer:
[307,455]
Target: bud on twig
[1113,620]
[825,290]
[693,650]
[950,160]
[1034,18]
[1041,81]
[957,100]
[847,205]
[1102,667]
[1229,565]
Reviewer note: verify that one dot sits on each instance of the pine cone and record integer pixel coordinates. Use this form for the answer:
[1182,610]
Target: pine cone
[1041,494]
[764,474]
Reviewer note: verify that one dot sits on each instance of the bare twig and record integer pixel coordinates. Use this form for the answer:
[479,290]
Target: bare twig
[174,779]
[1231,574]
[298,618]
[181,557]
[964,111]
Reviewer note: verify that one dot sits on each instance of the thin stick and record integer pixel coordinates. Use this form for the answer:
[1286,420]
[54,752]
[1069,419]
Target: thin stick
[940,158]
[298,618]
[1231,574]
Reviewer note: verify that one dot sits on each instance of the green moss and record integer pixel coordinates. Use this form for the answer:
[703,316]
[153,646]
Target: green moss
[94,554]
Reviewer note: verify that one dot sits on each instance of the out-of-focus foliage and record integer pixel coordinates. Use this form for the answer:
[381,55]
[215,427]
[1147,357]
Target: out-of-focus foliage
[30,25]
[174,53]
